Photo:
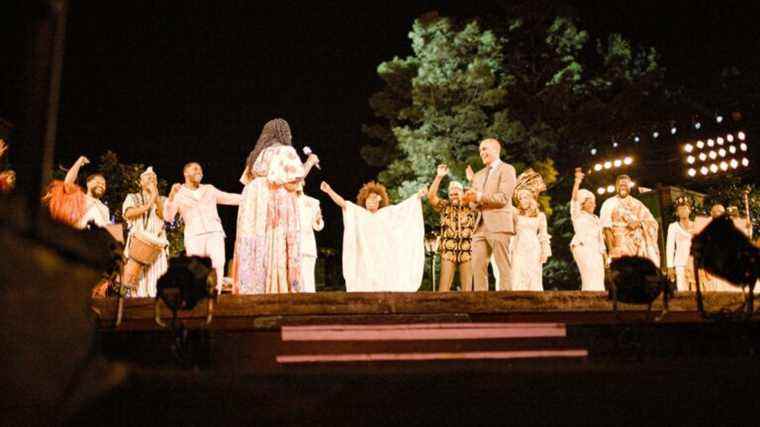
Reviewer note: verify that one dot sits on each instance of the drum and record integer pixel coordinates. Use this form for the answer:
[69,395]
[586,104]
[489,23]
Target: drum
[144,248]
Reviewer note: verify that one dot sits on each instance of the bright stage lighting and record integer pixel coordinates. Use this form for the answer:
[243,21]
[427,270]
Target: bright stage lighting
[607,164]
[618,163]
[700,144]
[734,163]
[593,151]
[614,145]
[719,119]
[722,152]
[692,172]
[690,160]
[702,157]
[656,135]
[704,170]
[710,143]
[688,148]
[732,149]
[723,166]
[741,136]
[673,130]
[720,140]
[730,138]
[714,168]
[697,125]
[743,146]
[745,162]
[597,167]
[628,161]
[610,189]
[636,139]
[713,155]
[600,190]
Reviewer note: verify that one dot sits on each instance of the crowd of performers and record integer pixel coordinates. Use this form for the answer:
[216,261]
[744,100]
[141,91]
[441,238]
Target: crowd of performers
[494,218]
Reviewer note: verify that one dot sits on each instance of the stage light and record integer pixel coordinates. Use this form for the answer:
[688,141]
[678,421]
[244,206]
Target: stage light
[618,163]
[593,151]
[692,172]
[636,139]
[713,155]
[656,135]
[720,140]
[600,190]
[743,146]
[702,157]
[723,166]
[597,167]
[714,168]
[610,189]
[673,130]
[607,164]
[719,119]
[710,143]
[628,161]
[734,163]
[697,125]
[700,144]
[741,136]
[745,162]
[633,184]
[690,160]
[614,145]
[732,149]
[730,138]
[722,152]
[704,170]
[688,148]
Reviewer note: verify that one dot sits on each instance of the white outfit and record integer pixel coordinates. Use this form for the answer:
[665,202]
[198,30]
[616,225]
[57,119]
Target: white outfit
[96,212]
[152,224]
[588,247]
[310,221]
[678,248]
[530,243]
[384,251]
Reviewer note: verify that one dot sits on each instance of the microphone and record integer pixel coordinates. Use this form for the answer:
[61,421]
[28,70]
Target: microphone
[307,151]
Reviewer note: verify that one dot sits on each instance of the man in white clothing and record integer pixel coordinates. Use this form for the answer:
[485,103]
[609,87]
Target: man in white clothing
[95,211]
[310,221]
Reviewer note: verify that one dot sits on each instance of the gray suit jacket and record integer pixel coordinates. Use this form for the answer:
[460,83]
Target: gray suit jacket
[495,208]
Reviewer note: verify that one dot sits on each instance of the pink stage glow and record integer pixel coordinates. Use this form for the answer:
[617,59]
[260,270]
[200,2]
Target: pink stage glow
[421,332]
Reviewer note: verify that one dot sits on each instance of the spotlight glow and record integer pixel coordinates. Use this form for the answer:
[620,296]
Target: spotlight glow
[714,168]
[697,125]
[637,139]
[732,149]
[618,163]
[719,119]
[607,164]
[614,145]
[633,184]
[692,172]
[593,151]
[722,152]
[673,130]
[597,167]
[702,156]
[700,144]
[713,155]
[720,140]
[628,161]
[690,160]
[656,135]
[688,148]
[610,189]
[704,170]
[743,146]
[741,136]
[600,190]
[734,163]
[710,143]
[723,166]
[745,162]
[730,138]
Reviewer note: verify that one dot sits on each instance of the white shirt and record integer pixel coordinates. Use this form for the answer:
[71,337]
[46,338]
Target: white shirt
[678,245]
[96,212]
[587,226]
[309,212]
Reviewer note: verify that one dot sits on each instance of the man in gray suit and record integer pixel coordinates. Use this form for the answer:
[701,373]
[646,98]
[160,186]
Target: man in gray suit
[491,196]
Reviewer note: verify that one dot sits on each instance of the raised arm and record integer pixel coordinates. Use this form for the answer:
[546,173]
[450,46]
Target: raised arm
[171,208]
[224,198]
[340,201]
[442,171]
[3,148]
[71,175]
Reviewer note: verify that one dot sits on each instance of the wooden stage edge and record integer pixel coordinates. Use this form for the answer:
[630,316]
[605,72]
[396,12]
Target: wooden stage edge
[270,312]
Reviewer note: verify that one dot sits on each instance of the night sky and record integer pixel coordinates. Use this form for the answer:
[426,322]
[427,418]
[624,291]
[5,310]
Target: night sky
[164,83]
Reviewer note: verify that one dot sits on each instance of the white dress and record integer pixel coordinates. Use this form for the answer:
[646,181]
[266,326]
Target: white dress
[588,247]
[678,247]
[530,242]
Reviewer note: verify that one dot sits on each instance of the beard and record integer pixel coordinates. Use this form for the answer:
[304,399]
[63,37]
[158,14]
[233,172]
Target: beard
[97,192]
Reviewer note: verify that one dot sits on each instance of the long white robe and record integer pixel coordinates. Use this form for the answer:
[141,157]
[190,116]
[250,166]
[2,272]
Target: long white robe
[384,251]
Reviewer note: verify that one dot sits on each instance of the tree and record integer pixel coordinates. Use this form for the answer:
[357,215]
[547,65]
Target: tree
[531,79]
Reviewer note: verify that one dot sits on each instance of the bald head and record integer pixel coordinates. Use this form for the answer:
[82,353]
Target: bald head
[193,173]
[490,150]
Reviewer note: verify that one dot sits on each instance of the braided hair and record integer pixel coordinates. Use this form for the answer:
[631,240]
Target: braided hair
[276,131]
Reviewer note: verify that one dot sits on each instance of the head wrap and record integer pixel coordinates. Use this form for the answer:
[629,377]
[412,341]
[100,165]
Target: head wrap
[148,171]
[529,180]
[584,195]
[455,184]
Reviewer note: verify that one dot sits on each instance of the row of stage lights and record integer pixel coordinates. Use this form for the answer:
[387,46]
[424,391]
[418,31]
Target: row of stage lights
[617,163]
[610,189]
[716,151]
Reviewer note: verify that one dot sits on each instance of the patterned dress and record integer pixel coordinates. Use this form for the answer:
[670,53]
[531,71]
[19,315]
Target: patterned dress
[457,225]
[153,225]
[267,253]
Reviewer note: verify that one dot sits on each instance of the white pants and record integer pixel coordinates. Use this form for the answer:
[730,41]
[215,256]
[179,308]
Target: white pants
[591,265]
[209,245]
[682,283]
[308,263]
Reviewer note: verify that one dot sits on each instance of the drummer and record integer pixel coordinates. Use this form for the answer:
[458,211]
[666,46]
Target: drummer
[143,212]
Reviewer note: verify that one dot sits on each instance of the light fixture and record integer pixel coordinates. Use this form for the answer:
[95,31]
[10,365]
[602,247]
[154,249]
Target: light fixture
[607,164]
[628,161]
[734,163]
[703,170]
[719,119]
[610,189]
[688,148]
[697,125]
[720,140]
[593,151]
[600,190]
[673,130]
[710,143]
[741,136]
[732,149]
[702,157]
[636,139]
[618,163]
[723,166]
[614,145]
[597,167]
[656,134]
[690,160]
[743,146]
[692,172]
[714,168]
[713,155]
[722,152]
[700,144]
[730,138]
[745,162]
[633,184]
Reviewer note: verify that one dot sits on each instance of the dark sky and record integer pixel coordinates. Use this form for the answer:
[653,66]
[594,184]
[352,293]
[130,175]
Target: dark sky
[164,83]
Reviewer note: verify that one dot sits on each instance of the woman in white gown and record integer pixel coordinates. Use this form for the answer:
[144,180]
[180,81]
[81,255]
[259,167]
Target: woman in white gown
[383,246]
[587,245]
[530,247]
[678,247]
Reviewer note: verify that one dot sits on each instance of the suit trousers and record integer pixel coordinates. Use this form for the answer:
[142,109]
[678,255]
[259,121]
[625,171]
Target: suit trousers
[485,244]
[209,245]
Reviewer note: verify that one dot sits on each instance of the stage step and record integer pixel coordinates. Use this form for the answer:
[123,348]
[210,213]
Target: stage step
[318,344]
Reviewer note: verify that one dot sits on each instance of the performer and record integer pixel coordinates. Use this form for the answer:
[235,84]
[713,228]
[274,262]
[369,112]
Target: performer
[310,221]
[69,204]
[196,203]
[383,246]
[7,177]
[678,247]
[629,227]
[457,224]
[530,248]
[143,212]
[587,245]
[491,197]
[267,253]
